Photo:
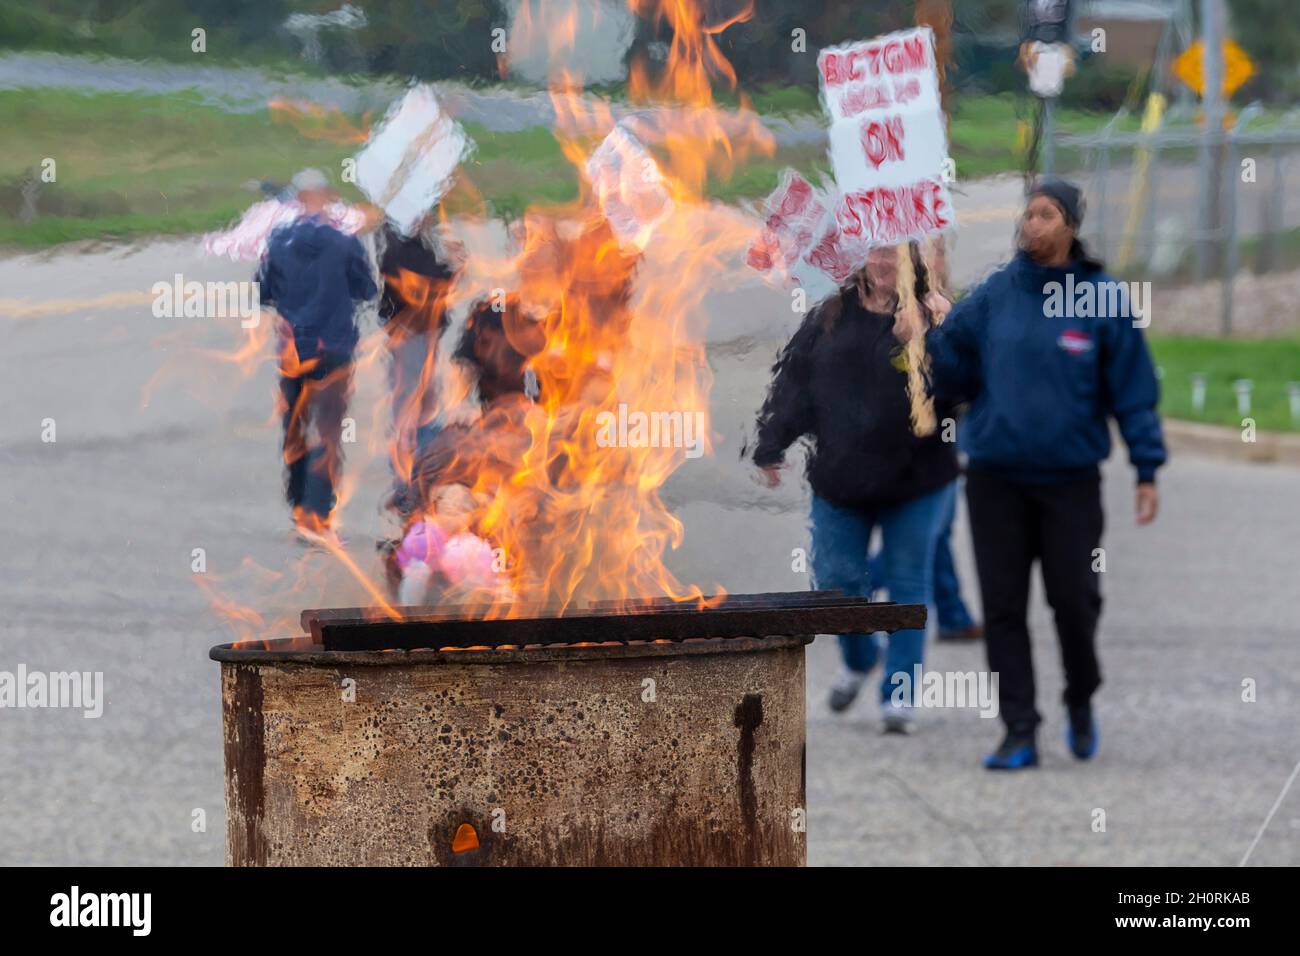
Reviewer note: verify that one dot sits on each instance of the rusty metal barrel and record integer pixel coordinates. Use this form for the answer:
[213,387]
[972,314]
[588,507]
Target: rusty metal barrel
[667,754]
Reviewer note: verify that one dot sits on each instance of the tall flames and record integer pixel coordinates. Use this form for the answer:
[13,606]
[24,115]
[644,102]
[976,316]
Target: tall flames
[610,325]
[606,319]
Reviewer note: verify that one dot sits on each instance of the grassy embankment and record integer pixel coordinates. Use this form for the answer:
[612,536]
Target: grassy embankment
[133,165]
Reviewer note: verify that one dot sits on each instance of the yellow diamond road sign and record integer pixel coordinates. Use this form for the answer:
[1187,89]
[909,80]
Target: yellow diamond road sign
[1237,67]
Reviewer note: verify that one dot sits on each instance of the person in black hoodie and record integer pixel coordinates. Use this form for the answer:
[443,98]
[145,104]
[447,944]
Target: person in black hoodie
[841,381]
[1047,350]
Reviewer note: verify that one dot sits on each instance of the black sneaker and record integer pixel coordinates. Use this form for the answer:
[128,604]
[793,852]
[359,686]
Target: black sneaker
[1017,751]
[1081,733]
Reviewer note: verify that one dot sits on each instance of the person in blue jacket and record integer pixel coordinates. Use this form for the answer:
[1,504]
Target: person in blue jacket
[1045,363]
[314,275]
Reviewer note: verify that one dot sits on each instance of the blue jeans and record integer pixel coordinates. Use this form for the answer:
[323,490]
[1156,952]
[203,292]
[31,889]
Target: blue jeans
[410,381]
[315,404]
[840,541]
[950,610]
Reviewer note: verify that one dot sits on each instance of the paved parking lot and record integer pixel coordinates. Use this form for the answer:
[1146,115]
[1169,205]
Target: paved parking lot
[100,526]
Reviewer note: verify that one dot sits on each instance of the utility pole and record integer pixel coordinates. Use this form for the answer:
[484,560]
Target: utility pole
[1047,56]
[1212,136]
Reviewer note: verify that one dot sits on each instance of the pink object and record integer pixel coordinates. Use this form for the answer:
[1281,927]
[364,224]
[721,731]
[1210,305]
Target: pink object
[424,541]
[246,240]
[467,559]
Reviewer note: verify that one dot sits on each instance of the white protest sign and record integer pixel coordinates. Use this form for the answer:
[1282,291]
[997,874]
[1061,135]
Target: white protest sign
[888,148]
[800,243]
[887,139]
[407,164]
[629,187]
[877,216]
[791,216]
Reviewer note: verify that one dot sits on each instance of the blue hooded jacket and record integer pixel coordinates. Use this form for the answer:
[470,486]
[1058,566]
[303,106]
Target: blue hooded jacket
[314,275]
[1042,385]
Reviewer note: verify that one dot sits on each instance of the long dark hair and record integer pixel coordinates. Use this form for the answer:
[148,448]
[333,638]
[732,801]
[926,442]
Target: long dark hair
[829,312]
[1079,253]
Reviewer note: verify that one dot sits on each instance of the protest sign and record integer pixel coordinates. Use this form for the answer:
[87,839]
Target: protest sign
[791,218]
[887,137]
[629,187]
[406,165]
[888,148]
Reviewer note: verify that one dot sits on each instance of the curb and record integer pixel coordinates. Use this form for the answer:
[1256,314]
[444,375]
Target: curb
[1222,441]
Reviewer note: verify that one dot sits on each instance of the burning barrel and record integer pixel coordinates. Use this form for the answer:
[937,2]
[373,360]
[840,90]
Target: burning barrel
[659,734]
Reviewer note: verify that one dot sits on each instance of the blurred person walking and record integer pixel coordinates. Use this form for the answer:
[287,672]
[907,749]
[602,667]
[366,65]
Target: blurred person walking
[314,276]
[842,381]
[417,272]
[953,620]
[1043,383]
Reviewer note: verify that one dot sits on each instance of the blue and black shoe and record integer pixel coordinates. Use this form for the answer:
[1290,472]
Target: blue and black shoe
[1081,732]
[1018,751]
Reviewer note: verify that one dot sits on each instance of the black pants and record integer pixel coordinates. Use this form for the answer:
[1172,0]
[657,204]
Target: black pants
[315,404]
[1060,525]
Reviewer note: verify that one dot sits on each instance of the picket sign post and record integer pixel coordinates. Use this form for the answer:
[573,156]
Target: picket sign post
[923,417]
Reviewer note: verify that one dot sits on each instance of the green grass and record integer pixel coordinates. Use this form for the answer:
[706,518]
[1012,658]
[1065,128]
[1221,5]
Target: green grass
[781,100]
[133,165]
[1269,364]
[984,134]
[136,165]
[516,169]
[130,165]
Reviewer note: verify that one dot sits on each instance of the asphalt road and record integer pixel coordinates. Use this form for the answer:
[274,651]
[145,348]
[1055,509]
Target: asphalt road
[1187,772]
[99,529]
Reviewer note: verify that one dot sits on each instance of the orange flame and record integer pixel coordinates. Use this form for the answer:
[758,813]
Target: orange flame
[313,121]
[576,519]
[608,329]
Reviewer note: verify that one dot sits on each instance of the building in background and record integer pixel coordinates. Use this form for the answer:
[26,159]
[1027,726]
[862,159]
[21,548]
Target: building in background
[1133,27]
